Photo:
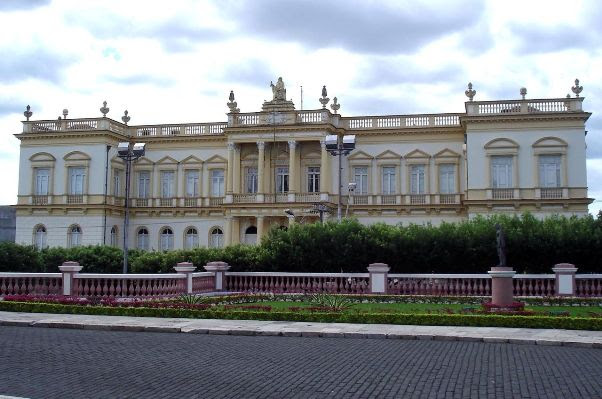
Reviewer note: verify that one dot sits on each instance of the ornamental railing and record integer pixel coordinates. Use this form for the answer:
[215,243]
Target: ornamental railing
[342,283]
[31,283]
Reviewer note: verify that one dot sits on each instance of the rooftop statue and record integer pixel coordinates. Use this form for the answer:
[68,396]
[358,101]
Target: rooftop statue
[278,90]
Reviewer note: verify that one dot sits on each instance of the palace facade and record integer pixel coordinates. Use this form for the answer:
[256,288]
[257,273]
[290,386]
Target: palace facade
[215,184]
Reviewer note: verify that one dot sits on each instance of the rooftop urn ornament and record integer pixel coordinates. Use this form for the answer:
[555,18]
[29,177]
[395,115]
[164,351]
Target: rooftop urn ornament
[65,113]
[278,90]
[104,110]
[27,114]
[324,100]
[125,118]
[523,92]
[577,89]
[501,244]
[470,93]
[335,105]
[232,104]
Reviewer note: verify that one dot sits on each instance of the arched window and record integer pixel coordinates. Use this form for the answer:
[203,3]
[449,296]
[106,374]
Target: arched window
[191,240]
[39,237]
[143,238]
[166,239]
[251,235]
[216,238]
[114,238]
[74,236]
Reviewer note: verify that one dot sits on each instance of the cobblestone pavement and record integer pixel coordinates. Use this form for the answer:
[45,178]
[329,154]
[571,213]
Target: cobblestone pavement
[69,363]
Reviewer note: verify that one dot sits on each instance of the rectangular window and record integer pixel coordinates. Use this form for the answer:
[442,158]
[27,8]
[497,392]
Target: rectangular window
[389,180]
[251,180]
[447,179]
[42,179]
[217,183]
[549,171]
[282,179]
[360,177]
[167,184]
[144,184]
[417,179]
[313,179]
[76,181]
[116,183]
[192,183]
[501,171]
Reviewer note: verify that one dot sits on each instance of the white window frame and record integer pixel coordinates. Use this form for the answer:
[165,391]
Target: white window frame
[447,178]
[77,180]
[168,178]
[114,234]
[216,237]
[502,172]
[418,179]
[144,184]
[166,240]
[282,177]
[360,177]
[74,236]
[192,177]
[217,182]
[191,239]
[42,181]
[389,178]
[550,173]
[142,239]
[40,236]
[251,180]
[313,179]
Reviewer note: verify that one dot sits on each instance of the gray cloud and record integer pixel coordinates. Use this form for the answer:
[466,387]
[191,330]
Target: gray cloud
[140,79]
[593,138]
[11,106]
[533,39]
[383,71]
[251,72]
[367,27]
[34,62]
[355,104]
[174,34]
[16,5]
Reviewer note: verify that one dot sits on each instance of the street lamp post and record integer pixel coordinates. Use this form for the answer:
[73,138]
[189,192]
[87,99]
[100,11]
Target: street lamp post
[336,147]
[128,153]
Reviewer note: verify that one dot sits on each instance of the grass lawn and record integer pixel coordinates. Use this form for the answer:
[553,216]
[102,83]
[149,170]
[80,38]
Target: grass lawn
[579,311]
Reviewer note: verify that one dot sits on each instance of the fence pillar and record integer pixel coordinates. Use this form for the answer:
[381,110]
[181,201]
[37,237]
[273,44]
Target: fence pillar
[502,289]
[379,273]
[219,270]
[565,279]
[187,269]
[69,269]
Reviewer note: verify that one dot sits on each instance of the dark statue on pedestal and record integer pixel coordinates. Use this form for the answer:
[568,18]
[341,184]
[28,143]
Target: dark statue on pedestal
[501,245]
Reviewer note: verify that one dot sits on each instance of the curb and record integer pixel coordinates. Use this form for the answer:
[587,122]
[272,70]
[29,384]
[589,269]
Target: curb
[297,333]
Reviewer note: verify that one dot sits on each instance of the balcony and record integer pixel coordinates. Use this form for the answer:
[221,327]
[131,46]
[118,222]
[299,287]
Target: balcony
[75,199]
[502,193]
[39,200]
[533,106]
[551,193]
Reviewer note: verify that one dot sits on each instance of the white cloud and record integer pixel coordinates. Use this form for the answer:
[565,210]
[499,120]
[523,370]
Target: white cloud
[179,63]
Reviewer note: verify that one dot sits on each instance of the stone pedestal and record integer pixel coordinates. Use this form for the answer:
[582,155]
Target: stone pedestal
[565,279]
[502,289]
[69,269]
[219,269]
[379,273]
[187,269]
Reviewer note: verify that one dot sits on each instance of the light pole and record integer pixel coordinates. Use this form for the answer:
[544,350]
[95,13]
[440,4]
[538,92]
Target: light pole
[336,147]
[128,153]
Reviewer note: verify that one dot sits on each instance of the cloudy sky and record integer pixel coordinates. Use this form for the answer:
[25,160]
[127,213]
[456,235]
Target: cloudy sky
[177,61]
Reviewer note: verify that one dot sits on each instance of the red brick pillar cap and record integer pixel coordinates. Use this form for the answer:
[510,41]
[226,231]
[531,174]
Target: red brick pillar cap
[378,268]
[564,267]
[184,267]
[216,266]
[70,266]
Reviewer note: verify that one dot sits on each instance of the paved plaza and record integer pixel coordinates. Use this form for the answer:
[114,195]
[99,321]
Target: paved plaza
[77,363]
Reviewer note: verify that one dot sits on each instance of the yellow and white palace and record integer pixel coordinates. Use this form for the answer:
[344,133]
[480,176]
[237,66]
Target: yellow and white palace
[215,184]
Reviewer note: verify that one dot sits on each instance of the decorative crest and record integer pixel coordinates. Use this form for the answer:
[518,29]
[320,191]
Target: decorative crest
[65,113]
[470,93]
[104,110]
[577,89]
[125,118]
[523,92]
[232,104]
[27,114]
[324,100]
[335,105]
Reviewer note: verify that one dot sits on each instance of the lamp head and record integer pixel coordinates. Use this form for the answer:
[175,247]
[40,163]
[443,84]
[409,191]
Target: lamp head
[123,149]
[349,142]
[139,149]
[332,142]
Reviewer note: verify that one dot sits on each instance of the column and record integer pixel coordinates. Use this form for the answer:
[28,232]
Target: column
[324,173]
[236,170]
[186,268]
[230,176]
[180,182]
[228,231]
[156,177]
[565,279]
[260,173]
[378,277]
[292,170]
[235,230]
[219,269]
[260,227]
[69,269]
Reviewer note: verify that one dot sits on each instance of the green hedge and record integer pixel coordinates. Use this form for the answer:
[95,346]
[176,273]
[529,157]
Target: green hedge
[568,323]
[533,245]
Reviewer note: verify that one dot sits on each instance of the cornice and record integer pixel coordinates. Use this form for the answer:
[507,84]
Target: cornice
[539,116]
